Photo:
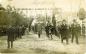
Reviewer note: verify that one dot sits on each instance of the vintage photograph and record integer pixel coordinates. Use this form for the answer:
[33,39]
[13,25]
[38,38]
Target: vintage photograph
[42,26]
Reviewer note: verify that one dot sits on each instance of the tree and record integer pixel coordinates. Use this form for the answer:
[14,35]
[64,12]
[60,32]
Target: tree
[16,16]
[82,14]
[4,19]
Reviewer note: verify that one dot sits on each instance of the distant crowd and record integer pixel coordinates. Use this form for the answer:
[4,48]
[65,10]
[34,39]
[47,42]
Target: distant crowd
[62,31]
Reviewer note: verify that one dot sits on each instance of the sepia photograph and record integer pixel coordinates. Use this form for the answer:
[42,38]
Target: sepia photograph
[42,26]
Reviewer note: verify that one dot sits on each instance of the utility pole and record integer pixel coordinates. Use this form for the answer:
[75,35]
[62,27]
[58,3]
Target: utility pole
[53,15]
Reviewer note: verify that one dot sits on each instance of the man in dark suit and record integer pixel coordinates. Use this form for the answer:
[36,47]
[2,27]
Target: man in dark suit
[83,30]
[47,31]
[10,34]
[76,31]
[20,32]
[39,30]
[64,32]
[51,32]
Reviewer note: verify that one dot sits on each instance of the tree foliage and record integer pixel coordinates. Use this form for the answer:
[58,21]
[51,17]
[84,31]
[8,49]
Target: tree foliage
[11,16]
[82,14]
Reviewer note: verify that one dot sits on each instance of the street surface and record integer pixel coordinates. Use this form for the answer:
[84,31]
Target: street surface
[31,44]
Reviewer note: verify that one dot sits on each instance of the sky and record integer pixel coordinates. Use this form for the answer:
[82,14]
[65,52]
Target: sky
[65,5]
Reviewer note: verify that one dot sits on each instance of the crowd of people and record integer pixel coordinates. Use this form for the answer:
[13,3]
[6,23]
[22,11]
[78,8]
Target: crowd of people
[64,31]
[13,33]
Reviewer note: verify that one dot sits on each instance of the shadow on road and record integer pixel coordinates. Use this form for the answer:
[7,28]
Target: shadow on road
[43,51]
[8,50]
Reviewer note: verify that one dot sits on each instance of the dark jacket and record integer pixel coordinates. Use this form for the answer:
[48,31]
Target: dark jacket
[47,29]
[75,29]
[10,34]
[63,29]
